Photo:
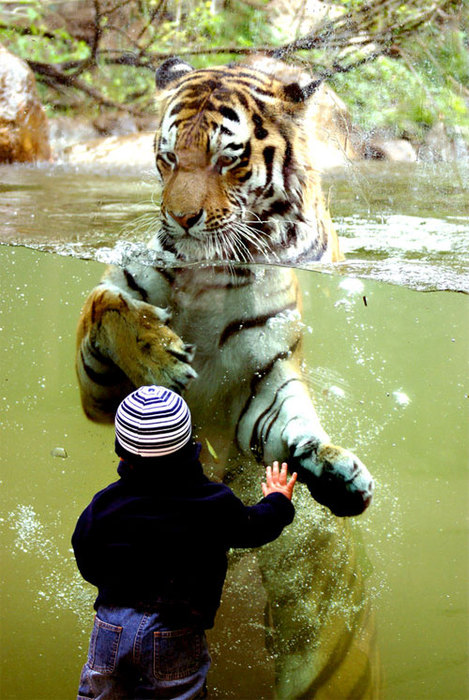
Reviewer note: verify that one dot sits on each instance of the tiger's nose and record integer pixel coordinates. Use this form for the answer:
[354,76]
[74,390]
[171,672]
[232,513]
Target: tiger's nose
[186,220]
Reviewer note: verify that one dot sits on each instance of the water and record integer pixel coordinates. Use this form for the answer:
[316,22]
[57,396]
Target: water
[406,224]
[388,365]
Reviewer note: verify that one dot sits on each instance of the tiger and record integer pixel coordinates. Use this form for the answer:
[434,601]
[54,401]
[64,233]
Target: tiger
[241,205]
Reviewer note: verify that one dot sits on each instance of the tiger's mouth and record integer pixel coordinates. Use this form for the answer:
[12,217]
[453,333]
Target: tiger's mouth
[234,242]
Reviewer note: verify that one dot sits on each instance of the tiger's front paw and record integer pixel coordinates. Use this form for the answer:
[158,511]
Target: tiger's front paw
[146,349]
[335,477]
[165,359]
[179,370]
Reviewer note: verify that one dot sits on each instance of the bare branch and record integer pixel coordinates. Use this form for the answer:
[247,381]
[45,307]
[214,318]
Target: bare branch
[50,73]
[97,29]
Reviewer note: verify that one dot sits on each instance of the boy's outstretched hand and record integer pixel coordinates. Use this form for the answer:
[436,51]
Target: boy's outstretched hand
[277,481]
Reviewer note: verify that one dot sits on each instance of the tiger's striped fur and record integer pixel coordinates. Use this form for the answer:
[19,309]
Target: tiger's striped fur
[236,159]
[239,186]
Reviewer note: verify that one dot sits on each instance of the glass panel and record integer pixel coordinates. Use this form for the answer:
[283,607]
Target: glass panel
[387,366]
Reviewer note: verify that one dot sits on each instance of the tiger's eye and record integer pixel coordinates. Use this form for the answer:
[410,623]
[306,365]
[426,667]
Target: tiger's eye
[225,161]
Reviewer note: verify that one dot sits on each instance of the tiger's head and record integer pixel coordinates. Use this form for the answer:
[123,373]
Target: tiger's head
[236,162]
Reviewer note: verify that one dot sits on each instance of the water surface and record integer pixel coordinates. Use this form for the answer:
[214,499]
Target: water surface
[402,223]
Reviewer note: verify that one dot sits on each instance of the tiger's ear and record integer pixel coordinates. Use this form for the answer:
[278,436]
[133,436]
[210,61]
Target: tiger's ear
[294,92]
[171,70]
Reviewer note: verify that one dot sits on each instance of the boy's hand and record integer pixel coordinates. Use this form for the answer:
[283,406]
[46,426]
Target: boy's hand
[277,481]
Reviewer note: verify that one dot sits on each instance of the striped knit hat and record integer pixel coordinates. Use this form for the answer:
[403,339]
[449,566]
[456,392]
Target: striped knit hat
[152,422]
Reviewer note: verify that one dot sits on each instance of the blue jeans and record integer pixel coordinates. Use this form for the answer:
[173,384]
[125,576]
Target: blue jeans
[135,655]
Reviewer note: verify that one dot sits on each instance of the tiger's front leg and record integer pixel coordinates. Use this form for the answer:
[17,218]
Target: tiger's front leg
[123,343]
[320,623]
[282,424]
[335,477]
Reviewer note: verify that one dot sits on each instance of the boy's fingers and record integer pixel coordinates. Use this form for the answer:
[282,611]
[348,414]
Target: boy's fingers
[283,473]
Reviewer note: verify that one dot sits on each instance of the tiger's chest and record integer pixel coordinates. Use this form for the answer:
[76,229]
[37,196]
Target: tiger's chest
[209,303]
[237,319]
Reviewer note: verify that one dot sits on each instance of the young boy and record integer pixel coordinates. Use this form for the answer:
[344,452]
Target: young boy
[154,543]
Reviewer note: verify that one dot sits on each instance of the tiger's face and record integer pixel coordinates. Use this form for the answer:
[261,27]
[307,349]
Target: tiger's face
[232,155]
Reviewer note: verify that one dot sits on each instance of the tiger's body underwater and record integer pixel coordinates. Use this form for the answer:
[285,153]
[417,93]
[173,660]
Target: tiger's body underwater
[235,157]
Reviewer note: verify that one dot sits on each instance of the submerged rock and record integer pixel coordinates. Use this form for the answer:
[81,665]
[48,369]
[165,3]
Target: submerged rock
[24,132]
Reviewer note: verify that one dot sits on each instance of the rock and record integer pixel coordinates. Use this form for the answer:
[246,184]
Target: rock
[65,132]
[337,142]
[398,150]
[120,123]
[445,144]
[132,150]
[24,133]
[68,131]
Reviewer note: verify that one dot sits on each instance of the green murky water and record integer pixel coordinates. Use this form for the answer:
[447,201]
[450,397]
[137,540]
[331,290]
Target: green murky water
[390,379]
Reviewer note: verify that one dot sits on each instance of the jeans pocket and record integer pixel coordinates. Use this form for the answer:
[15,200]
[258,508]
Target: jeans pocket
[104,645]
[177,653]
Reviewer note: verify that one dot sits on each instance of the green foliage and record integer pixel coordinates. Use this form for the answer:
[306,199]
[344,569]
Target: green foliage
[32,40]
[406,95]
[239,25]
[182,26]
[425,80]
[37,47]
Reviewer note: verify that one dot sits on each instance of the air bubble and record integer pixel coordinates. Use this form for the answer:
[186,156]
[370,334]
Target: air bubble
[401,398]
[352,285]
[336,391]
[59,452]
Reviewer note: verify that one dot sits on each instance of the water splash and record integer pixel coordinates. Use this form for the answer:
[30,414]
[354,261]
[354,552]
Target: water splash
[62,587]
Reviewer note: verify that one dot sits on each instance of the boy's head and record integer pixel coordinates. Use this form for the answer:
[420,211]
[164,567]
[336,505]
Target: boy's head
[152,422]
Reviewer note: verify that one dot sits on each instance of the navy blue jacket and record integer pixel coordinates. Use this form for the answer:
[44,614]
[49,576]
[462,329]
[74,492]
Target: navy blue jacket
[161,534]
